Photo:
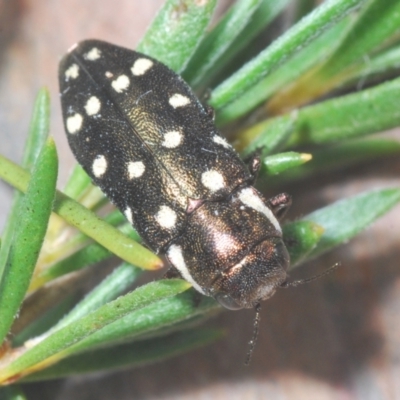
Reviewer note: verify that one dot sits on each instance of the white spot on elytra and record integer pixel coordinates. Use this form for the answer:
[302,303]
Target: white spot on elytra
[92,106]
[166,217]
[135,169]
[99,166]
[178,100]
[121,83]
[93,55]
[219,140]
[72,72]
[250,198]
[109,74]
[172,139]
[128,215]
[175,257]
[212,180]
[141,66]
[74,123]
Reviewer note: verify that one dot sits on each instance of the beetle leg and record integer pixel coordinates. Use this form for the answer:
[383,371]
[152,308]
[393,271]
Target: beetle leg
[172,273]
[253,162]
[280,204]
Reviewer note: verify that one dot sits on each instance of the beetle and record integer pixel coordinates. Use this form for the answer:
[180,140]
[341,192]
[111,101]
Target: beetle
[146,140]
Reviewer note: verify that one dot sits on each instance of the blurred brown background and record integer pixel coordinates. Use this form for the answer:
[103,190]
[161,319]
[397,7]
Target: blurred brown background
[335,338]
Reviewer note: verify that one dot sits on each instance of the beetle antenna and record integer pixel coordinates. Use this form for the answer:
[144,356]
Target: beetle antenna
[313,278]
[253,341]
[257,308]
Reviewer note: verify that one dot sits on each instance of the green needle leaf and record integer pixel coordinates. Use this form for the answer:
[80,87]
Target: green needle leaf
[344,219]
[88,255]
[267,136]
[43,322]
[286,74]
[38,132]
[50,349]
[265,14]
[342,156]
[301,237]
[110,288]
[386,61]
[218,40]
[39,128]
[375,25]
[354,115]
[129,355]
[155,318]
[314,24]
[33,219]
[278,163]
[176,31]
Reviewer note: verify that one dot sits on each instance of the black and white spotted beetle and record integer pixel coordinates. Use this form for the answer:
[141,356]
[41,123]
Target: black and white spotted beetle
[145,139]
